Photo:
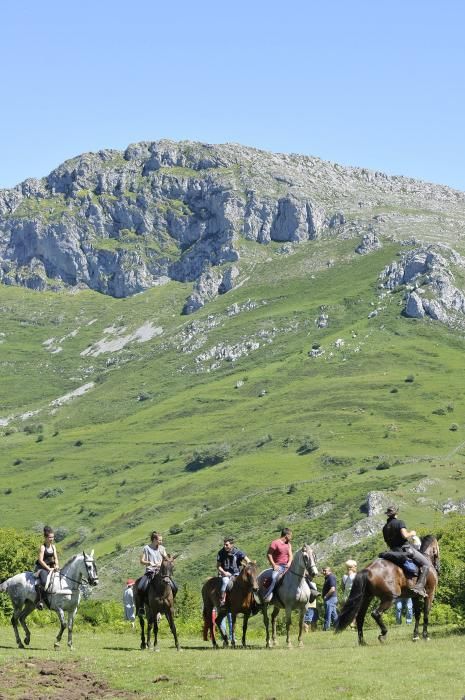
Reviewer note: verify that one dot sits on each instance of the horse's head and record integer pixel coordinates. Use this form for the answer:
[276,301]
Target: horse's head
[250,573]
[430,548]
[166,569]
[309,559]
[90,568]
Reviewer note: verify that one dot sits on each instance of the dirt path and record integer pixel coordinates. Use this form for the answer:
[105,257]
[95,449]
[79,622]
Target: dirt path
[38,679]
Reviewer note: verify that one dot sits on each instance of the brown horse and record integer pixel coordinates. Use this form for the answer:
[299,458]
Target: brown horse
[239,599]
[386,581]
[157,600]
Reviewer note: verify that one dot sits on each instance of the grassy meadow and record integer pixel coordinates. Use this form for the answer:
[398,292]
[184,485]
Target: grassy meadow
[328,666]
[279,432]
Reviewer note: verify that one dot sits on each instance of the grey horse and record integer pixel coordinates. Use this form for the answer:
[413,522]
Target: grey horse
[62,595]
[293,592]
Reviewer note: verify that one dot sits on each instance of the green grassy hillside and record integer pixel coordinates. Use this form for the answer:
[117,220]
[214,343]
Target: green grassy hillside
[380,411]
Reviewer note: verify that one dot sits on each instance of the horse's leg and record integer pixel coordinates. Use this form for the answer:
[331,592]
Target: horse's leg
[28,608]
[361,618]
[288,627]
[170,617]
[154,620]
[301,626]
[417,613]
[14,622]
[61,617]
[143,644]
[274,615]
[224,637]
[150,626]
[71,616]
[377,616]
[245,622]
[426,608]
[266,622]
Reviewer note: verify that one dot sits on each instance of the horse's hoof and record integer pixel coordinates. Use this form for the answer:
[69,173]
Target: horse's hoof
[143,646]
[416,639]
[157,649]
[21,646]
[179,649]
[362,643]
[301,644]
[27,641]
[70,647]
[426,638]
[56,645]
[382,638]
[289,645]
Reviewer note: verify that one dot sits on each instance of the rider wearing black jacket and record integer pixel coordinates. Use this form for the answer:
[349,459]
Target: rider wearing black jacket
[396,536]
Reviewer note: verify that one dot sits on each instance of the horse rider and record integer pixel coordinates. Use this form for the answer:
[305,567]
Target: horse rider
[47,561]
[152,558]
[280,557]
[397,537]
[228,563]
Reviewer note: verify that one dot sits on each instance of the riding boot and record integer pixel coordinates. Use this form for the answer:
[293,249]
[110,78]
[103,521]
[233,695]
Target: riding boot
[39,603]
[419,587]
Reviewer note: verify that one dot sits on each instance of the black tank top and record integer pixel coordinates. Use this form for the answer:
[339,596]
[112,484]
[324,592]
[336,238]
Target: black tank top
[49,555]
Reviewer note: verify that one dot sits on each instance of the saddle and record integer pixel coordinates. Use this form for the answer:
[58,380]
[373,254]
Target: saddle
[408,566]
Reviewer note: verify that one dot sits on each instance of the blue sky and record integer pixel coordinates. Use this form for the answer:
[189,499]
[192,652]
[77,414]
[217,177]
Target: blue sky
[375,84]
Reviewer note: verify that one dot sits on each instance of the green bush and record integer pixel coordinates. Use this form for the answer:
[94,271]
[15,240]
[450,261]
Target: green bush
[309,444]
[18,552]
[208,458]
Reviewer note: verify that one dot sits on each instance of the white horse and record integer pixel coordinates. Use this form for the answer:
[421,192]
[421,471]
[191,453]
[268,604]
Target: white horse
[62,594]
[293,592]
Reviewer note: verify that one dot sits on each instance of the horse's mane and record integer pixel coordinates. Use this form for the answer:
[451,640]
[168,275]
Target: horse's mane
[70,561]
[426,541]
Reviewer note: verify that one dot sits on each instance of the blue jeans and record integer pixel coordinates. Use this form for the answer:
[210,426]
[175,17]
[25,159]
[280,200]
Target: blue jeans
[330,613]
[404,605]
[275,574]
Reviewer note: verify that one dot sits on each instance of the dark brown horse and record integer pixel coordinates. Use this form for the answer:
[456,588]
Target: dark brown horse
[157,600]
[386,581]
[239,599]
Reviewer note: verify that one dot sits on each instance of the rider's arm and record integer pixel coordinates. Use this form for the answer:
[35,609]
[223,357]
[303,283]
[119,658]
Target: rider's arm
[57,565]
[331,591]
[291,556]
[143,560]
[221,571]
[272,561]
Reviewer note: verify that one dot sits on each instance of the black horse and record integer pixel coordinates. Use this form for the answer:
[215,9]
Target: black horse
[157,600]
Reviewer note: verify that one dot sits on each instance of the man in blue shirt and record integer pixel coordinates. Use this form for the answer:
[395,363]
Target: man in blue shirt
[228,562]
[329,594]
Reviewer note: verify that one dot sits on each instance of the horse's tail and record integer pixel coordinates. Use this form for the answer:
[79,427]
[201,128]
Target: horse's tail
[354,601]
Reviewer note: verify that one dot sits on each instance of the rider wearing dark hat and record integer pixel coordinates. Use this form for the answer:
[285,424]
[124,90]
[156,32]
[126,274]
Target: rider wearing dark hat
[397,537]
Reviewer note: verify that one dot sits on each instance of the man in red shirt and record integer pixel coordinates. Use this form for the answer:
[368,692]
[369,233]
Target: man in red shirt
[280,557]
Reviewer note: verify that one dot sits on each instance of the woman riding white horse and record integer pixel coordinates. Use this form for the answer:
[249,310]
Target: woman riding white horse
[62,594]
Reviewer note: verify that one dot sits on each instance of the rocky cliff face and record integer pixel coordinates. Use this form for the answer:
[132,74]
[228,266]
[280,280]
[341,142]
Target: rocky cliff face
[120,222]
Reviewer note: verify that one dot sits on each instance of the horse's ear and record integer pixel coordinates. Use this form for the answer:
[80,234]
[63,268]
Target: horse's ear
[174,556]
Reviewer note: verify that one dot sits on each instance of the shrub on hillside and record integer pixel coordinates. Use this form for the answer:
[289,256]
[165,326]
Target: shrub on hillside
[308,444]
[383,465]
[409,378]
[18,552]
[208,457]
[50,493]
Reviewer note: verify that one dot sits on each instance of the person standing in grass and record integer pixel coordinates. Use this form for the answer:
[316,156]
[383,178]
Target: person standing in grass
[128,602]
[280,557]
[348,578]
[329,593]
